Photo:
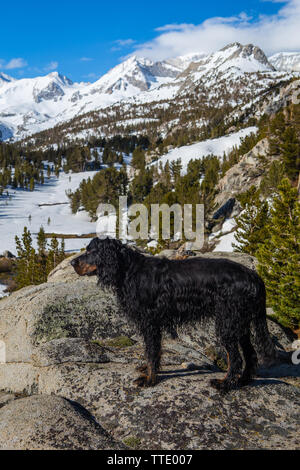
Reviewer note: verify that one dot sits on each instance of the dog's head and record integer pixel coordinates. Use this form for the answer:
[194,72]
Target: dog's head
[102,258]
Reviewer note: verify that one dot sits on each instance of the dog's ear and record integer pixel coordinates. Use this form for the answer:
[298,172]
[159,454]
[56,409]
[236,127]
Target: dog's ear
[109,262]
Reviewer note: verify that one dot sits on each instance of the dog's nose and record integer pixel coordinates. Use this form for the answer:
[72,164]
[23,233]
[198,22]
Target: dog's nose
[74,262]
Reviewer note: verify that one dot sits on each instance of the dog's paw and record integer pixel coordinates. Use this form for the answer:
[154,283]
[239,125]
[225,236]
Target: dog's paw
[245,379]
[220,385]
[141,381]
[145,381]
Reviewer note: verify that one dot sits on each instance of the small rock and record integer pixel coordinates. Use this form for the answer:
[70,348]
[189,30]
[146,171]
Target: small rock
[7,254]
[296,345]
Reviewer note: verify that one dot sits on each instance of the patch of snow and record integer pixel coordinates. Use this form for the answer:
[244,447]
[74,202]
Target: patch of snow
[216,147]
[152,244]
[225,243]
[25,208]
[2,289]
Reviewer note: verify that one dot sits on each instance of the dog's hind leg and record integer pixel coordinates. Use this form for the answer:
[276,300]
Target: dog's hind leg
[144,367]
[235,364]
[152,340]
[250,359]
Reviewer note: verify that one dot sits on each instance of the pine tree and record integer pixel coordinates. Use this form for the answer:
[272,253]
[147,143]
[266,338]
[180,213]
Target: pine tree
[41,257]
[175,168]
[271,180]
[277,128]
[31,184]
[26,261]
[138,159]
[252,228]
[53,258]
[41,241]
[279,257]
[290,149]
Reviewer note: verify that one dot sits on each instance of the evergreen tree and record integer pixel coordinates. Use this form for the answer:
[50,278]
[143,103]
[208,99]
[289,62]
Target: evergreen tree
[270,182]
[279,256]
[141,185]
[41,257]
[290,150]
[252,228]
[53,258]
[175,168]
[31,184]
[41,241]
[34,266]
[138,159]
[26,261]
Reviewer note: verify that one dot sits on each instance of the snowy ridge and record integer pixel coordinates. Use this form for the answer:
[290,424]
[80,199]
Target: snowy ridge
[289,61]
[32,105]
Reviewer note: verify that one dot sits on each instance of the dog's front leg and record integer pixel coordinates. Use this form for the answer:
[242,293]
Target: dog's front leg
[152,340]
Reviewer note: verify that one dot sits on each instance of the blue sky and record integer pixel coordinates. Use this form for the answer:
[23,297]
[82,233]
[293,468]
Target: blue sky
[83,39]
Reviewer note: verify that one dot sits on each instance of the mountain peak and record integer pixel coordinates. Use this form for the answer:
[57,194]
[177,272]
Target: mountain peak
[249,51]
[60,78]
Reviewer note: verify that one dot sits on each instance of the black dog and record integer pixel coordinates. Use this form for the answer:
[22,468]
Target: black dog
[159,295]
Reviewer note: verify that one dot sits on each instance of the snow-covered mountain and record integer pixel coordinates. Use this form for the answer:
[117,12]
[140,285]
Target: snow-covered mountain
[289,61]
[247,59]
[31,105]
[228,64]
[138,74]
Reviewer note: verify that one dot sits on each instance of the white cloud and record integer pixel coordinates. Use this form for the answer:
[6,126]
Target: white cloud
[122,43]
[17,63]
[51,66]
[273,33]
[86,59]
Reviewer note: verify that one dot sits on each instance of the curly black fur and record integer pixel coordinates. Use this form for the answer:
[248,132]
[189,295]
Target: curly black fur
[159,295]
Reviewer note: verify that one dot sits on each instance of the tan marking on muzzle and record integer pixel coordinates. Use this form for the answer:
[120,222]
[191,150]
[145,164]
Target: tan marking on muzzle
[83,269]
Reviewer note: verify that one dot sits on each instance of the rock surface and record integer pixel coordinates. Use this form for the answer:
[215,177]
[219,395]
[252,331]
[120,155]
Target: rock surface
[244,174]
[69,339]
[183,411]
[39,314]
[51,423]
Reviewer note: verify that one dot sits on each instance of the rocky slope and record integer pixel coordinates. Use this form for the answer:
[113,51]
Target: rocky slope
[68,340]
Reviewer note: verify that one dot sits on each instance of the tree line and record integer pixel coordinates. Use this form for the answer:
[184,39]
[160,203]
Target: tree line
[269,225]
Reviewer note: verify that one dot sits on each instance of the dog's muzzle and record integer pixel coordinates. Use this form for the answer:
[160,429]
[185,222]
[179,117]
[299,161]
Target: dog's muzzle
[83,268]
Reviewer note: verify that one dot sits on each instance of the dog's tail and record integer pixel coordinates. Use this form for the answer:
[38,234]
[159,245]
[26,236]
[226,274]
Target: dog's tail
[261,337]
